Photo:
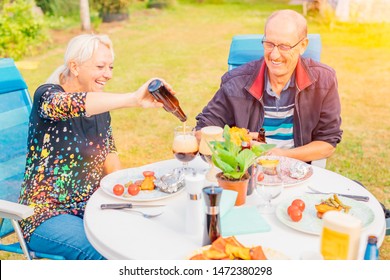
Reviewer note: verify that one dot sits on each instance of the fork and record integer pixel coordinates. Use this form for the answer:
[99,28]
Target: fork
[356,197]
[145,215]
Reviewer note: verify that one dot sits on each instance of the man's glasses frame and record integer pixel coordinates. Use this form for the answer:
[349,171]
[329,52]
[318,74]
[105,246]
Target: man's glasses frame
[269,46]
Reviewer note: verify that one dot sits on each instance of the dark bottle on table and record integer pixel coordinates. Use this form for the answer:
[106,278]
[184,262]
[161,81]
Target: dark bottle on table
[171,103]
[261,136]
[212,230]
[371,252]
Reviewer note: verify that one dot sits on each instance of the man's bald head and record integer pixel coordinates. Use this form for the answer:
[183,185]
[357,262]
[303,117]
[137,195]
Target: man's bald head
[289,17]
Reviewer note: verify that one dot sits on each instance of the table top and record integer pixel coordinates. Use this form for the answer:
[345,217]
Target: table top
[120,234]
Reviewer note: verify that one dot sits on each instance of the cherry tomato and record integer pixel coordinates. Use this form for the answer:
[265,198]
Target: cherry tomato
[296,215]
[133,189]
[118,189]
[300,203]
[148,173]
[292,208]
[260,177]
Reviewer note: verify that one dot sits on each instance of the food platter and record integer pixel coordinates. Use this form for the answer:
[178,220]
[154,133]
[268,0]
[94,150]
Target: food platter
[286,164]
[310,223]
[271,254]
[133,174]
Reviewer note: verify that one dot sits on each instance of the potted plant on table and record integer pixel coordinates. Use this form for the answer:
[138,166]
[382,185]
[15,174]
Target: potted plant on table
[234,156]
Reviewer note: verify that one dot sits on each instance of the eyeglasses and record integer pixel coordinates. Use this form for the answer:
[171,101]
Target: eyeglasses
[269,46]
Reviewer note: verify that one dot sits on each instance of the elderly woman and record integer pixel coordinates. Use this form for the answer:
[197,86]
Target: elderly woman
[71,146]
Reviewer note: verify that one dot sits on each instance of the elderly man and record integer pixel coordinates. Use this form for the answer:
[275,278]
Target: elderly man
[295,99]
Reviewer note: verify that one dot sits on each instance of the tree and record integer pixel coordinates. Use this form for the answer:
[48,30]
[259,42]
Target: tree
[84,15]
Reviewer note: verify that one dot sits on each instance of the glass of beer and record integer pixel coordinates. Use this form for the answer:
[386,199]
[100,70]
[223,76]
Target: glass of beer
[209,134]
[185,146]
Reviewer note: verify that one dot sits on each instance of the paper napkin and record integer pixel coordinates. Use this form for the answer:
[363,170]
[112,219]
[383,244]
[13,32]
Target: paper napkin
[243,220]
[228,199]
[239,220]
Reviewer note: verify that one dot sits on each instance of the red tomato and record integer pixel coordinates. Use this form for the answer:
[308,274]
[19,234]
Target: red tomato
[133,189]
[296,215]
[118,189]
[292,208]
[148,173]
[300,203]
[260,177]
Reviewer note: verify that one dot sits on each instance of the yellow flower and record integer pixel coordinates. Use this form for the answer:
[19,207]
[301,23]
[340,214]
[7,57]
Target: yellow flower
[238,135]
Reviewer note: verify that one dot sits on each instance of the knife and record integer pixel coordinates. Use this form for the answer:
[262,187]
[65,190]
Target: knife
[126,205]
[355,197]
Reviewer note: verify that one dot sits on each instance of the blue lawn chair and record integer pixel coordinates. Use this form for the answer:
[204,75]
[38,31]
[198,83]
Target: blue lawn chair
[15,107]
[247,47]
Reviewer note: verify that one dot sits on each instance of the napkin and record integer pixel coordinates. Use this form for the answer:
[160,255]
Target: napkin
[228,199]
[239,220]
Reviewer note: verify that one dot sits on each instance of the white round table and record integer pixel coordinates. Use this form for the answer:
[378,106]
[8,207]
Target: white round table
[118,234]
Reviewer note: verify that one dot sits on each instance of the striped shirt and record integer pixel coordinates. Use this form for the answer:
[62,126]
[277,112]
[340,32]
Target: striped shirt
[279,114]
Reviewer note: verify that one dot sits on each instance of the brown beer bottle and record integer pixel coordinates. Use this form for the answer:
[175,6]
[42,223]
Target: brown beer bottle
[161,94]
[261,136]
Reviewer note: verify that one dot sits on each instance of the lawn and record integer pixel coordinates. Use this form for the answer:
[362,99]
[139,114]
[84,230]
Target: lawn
[188,46]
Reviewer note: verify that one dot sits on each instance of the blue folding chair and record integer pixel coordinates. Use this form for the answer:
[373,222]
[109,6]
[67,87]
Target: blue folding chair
[15,107]
[248,47]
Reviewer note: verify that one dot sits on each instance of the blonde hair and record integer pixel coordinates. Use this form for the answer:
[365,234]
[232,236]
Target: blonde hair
[80,49]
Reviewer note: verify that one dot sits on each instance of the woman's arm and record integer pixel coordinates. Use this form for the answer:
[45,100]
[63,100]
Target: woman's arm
[100,102]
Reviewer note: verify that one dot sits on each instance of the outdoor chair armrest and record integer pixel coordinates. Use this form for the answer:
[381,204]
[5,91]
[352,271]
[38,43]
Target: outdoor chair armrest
[15,211]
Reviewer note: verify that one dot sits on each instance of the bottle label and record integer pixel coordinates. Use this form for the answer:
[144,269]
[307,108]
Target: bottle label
[334,245]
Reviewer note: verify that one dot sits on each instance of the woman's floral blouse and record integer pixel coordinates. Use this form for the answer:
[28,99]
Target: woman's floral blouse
[66,154]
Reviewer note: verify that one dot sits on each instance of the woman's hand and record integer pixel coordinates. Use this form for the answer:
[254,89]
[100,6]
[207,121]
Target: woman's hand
[145,99]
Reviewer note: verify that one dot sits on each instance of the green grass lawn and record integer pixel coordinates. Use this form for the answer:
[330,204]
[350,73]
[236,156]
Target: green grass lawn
[188,46]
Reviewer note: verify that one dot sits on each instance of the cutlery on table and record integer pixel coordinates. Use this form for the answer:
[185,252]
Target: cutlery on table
[355,197]
[126,206]
[145,215]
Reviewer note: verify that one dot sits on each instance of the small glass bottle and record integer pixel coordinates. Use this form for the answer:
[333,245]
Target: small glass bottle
[372,252]
[261,136]
[171,103]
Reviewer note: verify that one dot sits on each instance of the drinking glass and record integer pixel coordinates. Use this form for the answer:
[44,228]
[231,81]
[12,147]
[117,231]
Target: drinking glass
[269,182]
[208,134]
[185,147]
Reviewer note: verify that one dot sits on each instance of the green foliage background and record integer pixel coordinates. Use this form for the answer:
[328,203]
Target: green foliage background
[21,30]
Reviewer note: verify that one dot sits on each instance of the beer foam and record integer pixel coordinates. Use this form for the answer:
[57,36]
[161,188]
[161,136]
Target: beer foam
[212,130]
[185,144]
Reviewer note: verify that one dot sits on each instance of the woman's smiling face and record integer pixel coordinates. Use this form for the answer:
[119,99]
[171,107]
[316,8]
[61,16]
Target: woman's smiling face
[96,71]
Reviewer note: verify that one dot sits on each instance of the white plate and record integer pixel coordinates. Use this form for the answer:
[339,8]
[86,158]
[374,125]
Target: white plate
[285,164]
[133,174]
[310,223]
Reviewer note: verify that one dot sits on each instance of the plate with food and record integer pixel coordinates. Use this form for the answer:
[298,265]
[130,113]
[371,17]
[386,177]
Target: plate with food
[293,171]
[229,248]
[141,185]
[309,220]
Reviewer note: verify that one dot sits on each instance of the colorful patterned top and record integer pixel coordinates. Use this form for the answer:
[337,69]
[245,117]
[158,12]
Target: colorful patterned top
[66,154]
